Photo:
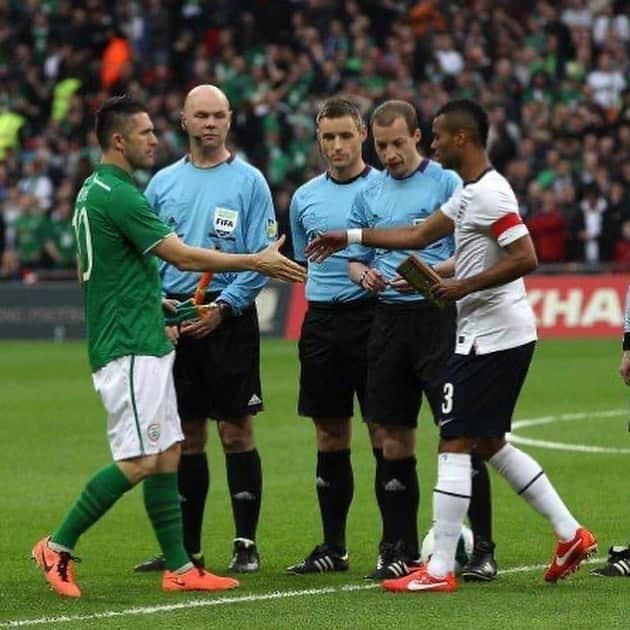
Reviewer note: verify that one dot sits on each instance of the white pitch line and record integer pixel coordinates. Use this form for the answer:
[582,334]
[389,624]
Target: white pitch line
[565,446]
[223,601]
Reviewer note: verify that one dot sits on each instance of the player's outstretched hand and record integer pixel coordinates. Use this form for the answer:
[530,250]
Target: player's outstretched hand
[326,244]
[273,264]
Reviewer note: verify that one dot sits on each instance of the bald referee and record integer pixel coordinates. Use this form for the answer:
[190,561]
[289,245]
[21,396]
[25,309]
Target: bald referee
[215,200]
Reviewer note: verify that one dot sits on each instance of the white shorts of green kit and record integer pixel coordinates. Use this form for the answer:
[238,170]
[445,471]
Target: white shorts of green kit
[139,396]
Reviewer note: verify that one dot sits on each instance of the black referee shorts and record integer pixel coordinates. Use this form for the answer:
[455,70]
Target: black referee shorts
[481,390]
[333,358]
[409,345]
[218,377]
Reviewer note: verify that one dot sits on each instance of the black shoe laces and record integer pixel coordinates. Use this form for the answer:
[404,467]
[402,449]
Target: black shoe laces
[64,564]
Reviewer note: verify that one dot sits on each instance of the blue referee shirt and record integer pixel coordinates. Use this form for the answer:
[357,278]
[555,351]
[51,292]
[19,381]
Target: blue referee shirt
[322,204]
[226,207]
[387,202]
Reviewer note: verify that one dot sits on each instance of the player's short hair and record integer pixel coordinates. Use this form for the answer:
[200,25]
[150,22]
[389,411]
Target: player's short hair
[467,114]
[386,113]
[114,115]
[337,107]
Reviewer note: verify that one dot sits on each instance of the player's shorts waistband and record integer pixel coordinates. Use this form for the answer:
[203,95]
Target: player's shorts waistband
[341,306]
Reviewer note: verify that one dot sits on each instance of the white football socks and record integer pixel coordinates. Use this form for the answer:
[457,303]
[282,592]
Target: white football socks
[528,479]
[451,497]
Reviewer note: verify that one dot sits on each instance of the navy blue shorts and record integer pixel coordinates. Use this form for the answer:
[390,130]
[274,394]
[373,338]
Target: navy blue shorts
[481,390]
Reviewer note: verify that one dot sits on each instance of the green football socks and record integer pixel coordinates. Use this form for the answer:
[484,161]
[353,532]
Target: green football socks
[99,494]
[161,500]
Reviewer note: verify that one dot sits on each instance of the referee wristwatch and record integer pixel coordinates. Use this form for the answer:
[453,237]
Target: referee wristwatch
[626,341]
[225,308]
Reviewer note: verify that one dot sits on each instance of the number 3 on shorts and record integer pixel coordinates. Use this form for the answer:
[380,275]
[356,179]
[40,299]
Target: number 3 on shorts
[447,404]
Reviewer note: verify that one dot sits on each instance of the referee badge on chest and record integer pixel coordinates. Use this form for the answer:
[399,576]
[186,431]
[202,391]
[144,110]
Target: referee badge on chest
[225,221]
[271,229]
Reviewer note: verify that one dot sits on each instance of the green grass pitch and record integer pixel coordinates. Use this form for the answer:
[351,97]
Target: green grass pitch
[53,436]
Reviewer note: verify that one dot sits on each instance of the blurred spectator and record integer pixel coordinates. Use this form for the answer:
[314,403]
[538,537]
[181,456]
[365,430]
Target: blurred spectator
[622,247]
[503,137]
[59,244]
[549,229]
[607,25]
[116,55]
[30,233]
[35,182]
[11,124]
[587,227]
[449,58]
[607,82]
[426,18]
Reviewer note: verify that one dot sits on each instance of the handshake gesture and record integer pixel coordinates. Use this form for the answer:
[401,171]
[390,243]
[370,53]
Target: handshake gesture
[414,270]
[326,244]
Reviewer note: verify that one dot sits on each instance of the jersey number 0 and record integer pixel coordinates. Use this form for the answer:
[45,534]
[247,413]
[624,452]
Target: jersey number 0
[84,242]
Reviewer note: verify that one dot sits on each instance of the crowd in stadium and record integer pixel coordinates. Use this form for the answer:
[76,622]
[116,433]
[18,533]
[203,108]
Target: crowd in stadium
[553,76]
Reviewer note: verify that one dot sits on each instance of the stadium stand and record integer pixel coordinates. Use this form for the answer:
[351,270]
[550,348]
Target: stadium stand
[554,76]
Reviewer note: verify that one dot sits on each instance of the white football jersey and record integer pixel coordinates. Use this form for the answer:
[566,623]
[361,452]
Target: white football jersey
[486,217]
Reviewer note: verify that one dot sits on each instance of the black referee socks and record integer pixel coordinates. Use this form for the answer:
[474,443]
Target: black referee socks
[480,508]
[335,488]
[402,497]
[379,491]
[244,477]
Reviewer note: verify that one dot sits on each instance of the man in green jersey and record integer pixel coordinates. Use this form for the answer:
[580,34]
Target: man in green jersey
[30,234]
[118,237]
[60,242]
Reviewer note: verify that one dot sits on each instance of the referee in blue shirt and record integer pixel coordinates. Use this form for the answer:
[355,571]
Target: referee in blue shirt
[411,338]
[336,327]
[213,199]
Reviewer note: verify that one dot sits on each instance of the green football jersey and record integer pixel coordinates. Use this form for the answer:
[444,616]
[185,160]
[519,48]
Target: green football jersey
[115,230]
[61,233]
[30,236]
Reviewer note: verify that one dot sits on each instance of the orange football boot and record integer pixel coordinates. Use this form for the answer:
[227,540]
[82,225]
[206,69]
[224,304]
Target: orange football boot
[57,567]
[196,579]
[421,581]
[568,556]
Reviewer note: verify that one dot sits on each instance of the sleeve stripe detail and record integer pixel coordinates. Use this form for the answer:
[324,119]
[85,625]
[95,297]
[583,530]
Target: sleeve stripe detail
[98,182]
[148,249]
[506,222]
[512,234]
